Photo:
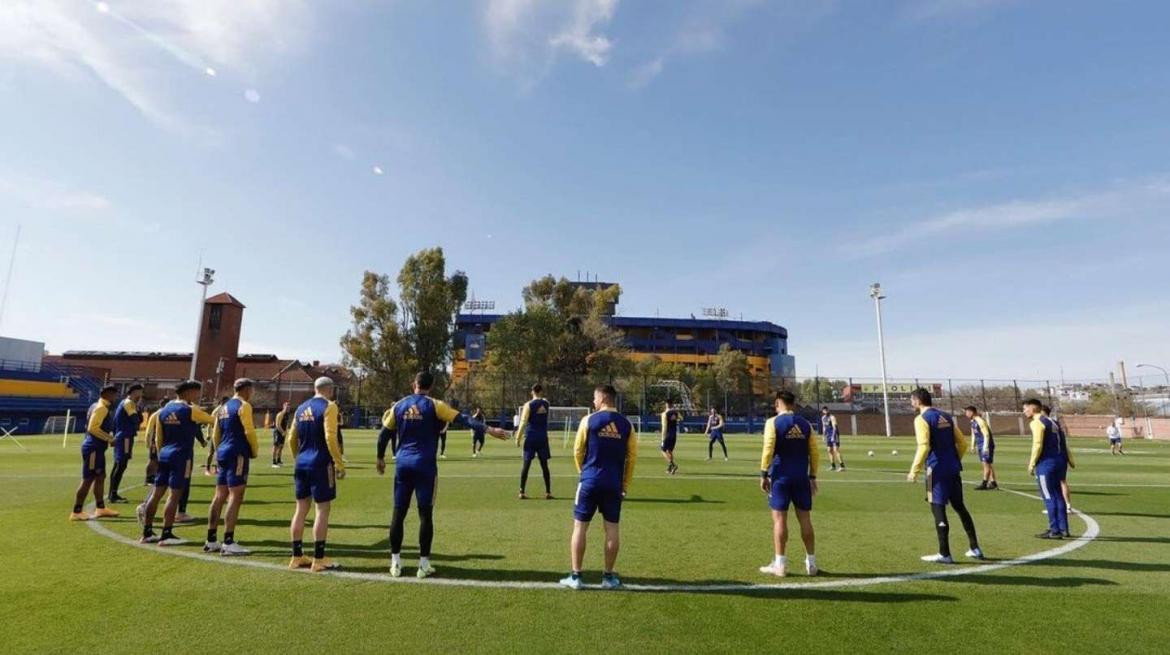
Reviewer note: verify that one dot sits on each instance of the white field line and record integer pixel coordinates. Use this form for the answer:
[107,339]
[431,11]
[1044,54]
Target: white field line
[1092,529]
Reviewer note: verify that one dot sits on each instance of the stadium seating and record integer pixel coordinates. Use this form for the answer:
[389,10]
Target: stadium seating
[29,397]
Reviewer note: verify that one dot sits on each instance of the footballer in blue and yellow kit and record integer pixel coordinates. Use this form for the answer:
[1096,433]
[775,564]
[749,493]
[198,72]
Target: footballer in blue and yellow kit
[671,420]
[99,429]
[1049,461]
[314,442]
[179,427]
[983,443]
[832,436]
[605,452]
[532,433]
[127,421]
[788,474]
[235,443]
[941,445]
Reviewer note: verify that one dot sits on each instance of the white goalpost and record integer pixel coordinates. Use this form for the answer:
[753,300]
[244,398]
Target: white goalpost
[63,425]
[566,419]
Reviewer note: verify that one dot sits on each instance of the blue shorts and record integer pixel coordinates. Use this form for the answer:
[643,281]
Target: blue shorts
[319,483]
[93,461]
[232,472]
[716,435]
[833,440]
[174,473]
[420,482]
[1115,441]
[592,497]
[477,437]
[943,488]
[987,456]
[797,491]
[533,449]
[667,445]
[123,448]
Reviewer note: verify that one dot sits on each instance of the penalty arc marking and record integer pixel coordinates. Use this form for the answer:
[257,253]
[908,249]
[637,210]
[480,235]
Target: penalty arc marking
[1092,529]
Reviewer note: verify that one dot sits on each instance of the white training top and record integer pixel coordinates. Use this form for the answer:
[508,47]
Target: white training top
[1113,432]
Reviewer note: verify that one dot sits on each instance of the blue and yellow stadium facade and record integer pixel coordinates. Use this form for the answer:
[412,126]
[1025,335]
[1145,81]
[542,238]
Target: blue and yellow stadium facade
[690,341]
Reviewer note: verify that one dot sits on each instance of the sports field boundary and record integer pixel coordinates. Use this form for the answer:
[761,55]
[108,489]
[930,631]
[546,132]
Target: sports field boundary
[1092,530]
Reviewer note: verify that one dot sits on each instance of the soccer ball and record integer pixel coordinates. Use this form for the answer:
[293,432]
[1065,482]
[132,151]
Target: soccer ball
[870,453]
[894,452]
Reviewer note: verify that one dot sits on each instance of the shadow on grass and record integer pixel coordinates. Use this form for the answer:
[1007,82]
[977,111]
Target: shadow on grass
[280,523]
[694,499]
[1107,564]
[1139,515]
[1136,540]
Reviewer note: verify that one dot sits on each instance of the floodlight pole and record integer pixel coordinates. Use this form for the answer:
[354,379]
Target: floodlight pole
[875,292]
[205,281]
[1166,392]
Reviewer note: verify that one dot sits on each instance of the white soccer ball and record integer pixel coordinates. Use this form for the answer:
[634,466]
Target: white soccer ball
[894,452]
[870,453]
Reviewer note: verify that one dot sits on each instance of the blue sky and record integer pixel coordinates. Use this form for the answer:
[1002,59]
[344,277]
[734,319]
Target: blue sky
[1000,166]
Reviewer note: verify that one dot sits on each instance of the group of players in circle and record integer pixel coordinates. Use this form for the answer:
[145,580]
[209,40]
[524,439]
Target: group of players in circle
[604,451]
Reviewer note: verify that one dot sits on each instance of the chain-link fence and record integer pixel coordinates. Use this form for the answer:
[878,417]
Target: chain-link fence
[858,402]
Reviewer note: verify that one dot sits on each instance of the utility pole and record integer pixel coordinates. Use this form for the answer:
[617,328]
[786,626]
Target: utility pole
[875,292]
[205,281]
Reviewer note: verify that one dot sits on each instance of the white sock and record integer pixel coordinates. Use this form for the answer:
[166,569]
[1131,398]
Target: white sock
[424,563]
[395,559]
[810,560]
[781,560]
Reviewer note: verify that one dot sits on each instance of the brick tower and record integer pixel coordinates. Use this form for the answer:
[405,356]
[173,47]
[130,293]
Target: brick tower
[219,338]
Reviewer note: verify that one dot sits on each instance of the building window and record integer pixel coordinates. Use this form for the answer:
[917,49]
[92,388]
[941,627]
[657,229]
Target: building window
[215,317]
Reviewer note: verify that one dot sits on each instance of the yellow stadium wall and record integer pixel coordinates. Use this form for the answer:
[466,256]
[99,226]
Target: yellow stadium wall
[35,389]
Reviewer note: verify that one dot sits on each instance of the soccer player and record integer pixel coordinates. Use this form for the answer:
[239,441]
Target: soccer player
[179,425]
[832,439]
[152,429]
[715,431]
[984,444]
[941,446]
[235,444]
[1113,433]
[1063,435]
[127,420]
[532,432]
[477,434]
[99,428]
[604,451]
[209,466]
[1049,462]
[443,441]
[312,439]
[279,433]
[670,421]
[788,474]
[416,420]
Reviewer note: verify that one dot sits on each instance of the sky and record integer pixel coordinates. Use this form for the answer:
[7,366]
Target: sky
[1000,166]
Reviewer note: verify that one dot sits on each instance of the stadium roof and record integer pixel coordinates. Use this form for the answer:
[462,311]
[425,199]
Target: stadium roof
[656,322]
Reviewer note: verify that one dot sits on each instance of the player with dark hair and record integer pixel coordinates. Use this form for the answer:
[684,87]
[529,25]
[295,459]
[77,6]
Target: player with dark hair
[280,428]
[941,446]
[477,433]
[416,420]
[832,439]
[127,420]
[670,423]
[983,444]
[714,431]
[604,451]
[179,425]
[532,432]
[235,444]
[788,474]
[312,439]
[1049,462]
[99,428]
[1060,427]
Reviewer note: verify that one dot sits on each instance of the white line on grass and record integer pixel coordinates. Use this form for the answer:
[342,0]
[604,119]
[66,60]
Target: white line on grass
[1092,529]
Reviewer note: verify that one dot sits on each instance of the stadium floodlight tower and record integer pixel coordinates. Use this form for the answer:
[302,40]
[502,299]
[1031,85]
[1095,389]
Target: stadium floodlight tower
[1166,391]
[875,292]
[204,281]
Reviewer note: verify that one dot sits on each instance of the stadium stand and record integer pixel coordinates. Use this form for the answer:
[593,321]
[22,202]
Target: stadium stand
[31,391]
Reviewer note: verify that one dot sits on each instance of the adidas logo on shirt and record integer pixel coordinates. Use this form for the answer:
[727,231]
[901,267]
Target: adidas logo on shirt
[610,431]
[412,414]
[306,415]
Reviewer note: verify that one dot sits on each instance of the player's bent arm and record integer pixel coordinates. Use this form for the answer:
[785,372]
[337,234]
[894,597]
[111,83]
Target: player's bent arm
[769,447]
[294,443]
[216,435]
[523,423]
[249,428]
[445,413]
[388,420]
[580,442]
[922,438]
[384,438]
[154,432]
[1037,443]
[663,430]
[631,459]
[200,416]
[961,441]
[95,424]
[331,442]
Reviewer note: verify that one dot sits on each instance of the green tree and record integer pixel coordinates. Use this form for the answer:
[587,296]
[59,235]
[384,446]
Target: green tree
[430,301]
[375,346]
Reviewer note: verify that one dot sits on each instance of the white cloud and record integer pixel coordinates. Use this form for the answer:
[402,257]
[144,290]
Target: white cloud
[36,193]
[124,46]
[343,151]
[526,36]
[1119,202]
[931,9]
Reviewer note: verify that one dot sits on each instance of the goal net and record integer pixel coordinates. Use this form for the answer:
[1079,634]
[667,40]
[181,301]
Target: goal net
[60,425]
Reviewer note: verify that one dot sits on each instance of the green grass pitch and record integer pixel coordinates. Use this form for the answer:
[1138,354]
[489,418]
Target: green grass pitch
[70,588]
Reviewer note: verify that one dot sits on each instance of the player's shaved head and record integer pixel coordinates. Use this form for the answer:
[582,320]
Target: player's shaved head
[786,398]
[922,396]
[424,380]
[607,392]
